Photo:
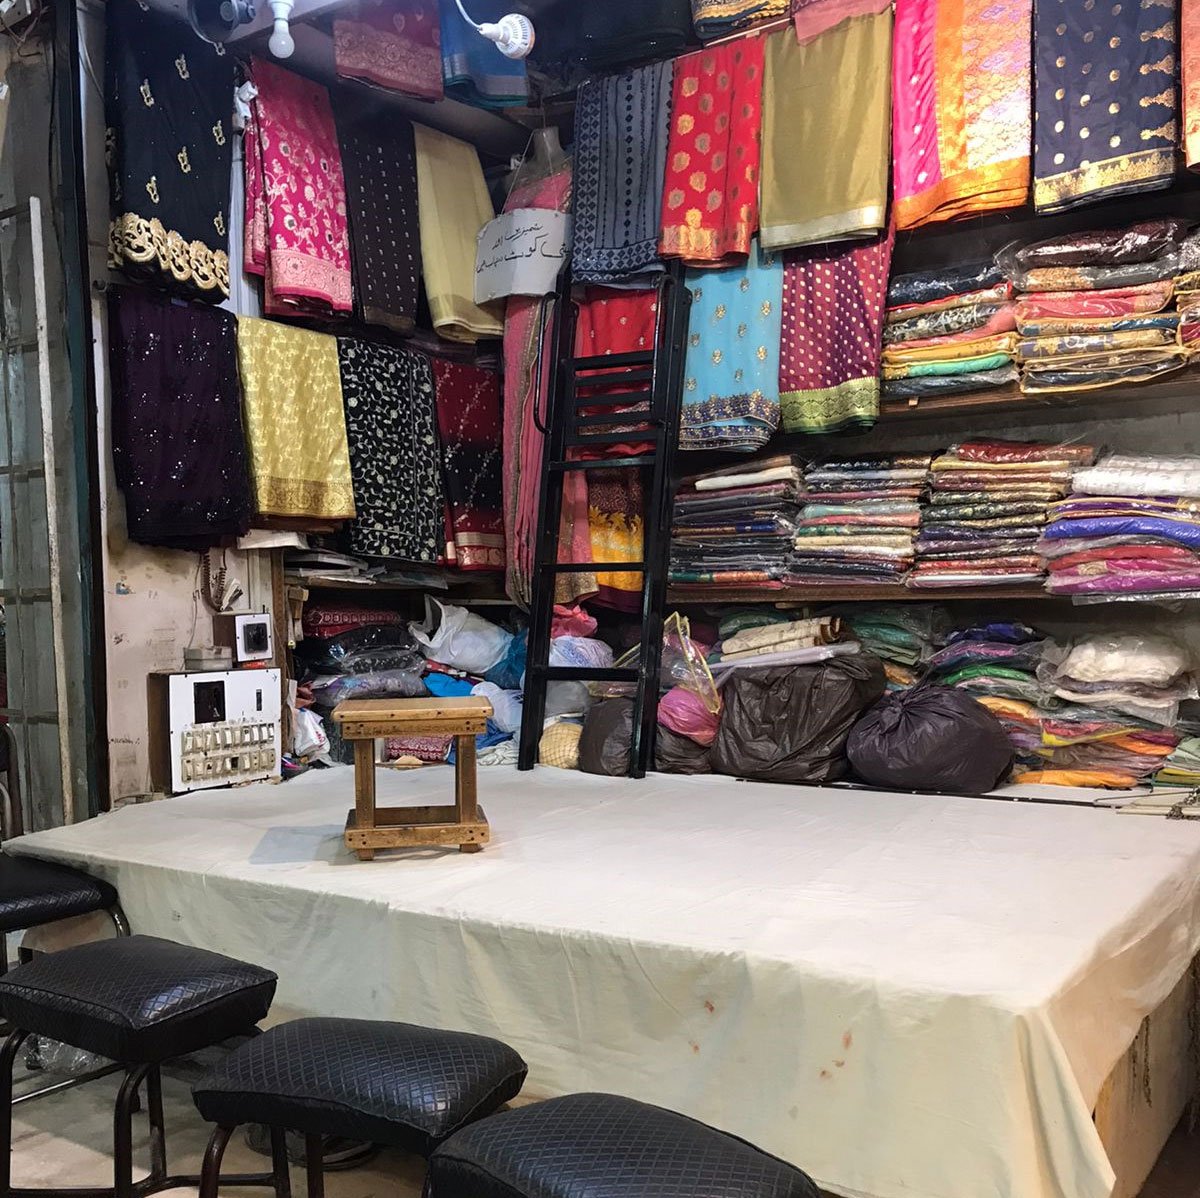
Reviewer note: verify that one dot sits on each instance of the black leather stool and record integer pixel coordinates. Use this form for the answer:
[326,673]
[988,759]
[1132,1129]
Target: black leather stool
[33,893]
[602,1146]
[387,1083]
[139,1001]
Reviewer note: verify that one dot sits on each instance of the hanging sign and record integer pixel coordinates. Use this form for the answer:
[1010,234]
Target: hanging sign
[521,253]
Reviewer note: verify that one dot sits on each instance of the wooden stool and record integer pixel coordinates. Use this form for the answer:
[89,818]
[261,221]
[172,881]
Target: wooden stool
[369,828]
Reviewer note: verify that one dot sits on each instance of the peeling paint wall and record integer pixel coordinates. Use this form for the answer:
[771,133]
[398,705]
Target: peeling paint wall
[152,607]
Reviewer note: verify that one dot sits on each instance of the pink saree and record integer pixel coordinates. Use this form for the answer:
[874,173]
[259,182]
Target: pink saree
[524,397]
[297,237]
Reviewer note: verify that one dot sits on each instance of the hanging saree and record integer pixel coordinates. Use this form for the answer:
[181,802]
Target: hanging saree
[832,336]
[297,237]
[719,18]
[616,322]
[731,376]
[622,125]
[710,192]
[380,163]
[468,419]
[295,421]
[1190,56]
[452,194]
[179,453]
[394,456]
[813,17]
[961,80]
[525,396]
[168,107]
[393,44]
[1120,136]
[473,68]
[817,185]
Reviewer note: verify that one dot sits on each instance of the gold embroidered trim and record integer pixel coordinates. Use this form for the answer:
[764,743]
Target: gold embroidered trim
[859,223]
[304,497]
[827,408]
[1145,166]
[133,238]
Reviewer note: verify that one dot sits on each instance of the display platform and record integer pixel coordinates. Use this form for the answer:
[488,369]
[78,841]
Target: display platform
[907,996]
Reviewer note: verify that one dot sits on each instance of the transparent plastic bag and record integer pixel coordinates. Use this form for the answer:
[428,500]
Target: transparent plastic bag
[683,664]
[381,684]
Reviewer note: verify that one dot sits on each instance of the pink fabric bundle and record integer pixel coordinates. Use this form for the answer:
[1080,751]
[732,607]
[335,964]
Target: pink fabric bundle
[297,236]
[571,621]
[683,711]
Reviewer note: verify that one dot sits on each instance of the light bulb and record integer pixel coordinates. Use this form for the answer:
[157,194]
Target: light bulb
[513,35]
[280,42]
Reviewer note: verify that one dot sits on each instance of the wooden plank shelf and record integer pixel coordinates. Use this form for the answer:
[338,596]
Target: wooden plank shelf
[1179,391]
[848,594]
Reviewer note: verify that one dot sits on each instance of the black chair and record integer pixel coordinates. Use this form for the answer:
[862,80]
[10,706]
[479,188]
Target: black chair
[602,1146]
[139,1001]
[359,1079]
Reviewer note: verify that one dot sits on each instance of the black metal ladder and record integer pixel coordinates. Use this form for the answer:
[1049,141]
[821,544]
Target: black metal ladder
[584,413]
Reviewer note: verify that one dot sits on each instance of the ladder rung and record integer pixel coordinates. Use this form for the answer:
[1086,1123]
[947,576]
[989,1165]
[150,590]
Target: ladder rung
[639,357]
[587,385]
[626,399]
[644,459]
[593,567]
[586,673]
[634,434]
[645,416]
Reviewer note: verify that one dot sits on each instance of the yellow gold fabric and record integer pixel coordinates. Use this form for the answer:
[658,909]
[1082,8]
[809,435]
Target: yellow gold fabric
[818,182]
[295,422]
[454,205]
[950,351]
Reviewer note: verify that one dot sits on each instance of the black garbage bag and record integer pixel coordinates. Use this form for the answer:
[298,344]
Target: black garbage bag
[931,738]
[790,723]
[607,733]
[678,754]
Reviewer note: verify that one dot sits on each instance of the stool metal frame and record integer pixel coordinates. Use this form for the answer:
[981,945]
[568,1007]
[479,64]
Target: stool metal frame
[127,1102]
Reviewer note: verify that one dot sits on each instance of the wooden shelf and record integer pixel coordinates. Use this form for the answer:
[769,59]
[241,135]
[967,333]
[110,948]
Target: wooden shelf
[850,594]
[1181,387]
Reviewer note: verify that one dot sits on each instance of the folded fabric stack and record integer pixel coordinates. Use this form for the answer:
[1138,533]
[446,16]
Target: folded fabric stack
[1117,700]
[794,642]
[1182,768]
[902,636]
[1131,526]
[734,527]
[991,662]
[859,522]
[987,505]
[1187,297]
[949,332]
[1094,308]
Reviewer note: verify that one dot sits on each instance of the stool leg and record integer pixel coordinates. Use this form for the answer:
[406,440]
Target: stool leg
[123,1132]
[158,1135]
[210,1171]
[279,1163]
[314,1165]
[8,1055]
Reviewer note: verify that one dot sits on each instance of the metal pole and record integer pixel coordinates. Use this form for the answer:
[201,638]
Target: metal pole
[50,478]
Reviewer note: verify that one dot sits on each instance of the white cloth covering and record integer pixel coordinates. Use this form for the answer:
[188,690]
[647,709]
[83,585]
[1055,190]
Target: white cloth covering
[909,997]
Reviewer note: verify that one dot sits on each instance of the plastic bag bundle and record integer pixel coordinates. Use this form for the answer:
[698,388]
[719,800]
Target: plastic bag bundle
[559,746]
[571,621]
[506,705]
[930,738]
[457,637]
[607,734]
[676,754]
[581,652]
[684,712]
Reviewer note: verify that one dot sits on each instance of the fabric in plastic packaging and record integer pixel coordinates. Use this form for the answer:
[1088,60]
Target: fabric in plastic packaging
[789,724]
[930,738]
[607,733]
[683,711]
